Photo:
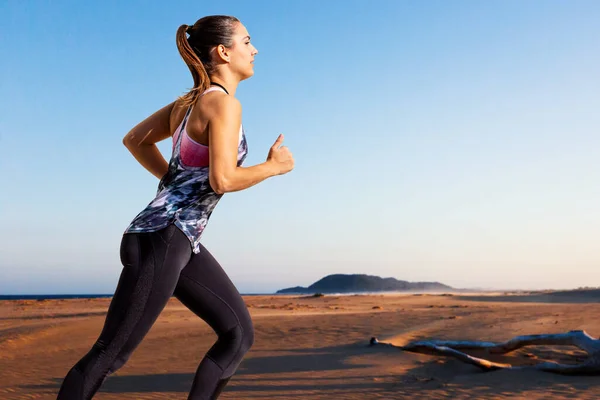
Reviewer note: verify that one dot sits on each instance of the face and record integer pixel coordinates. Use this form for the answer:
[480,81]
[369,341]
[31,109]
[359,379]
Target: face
[241,53]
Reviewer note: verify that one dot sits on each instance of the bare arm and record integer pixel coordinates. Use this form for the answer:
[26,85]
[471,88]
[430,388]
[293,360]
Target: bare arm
[141,141]
[225,176]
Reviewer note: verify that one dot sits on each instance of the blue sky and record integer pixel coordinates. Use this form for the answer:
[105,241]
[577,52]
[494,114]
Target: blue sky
[454,141]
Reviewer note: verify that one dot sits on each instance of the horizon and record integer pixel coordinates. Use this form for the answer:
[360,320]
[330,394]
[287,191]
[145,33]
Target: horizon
[275,292]
[434,141]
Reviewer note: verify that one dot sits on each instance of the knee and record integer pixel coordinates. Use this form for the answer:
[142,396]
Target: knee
[120,361]
[248,337]
[239,339]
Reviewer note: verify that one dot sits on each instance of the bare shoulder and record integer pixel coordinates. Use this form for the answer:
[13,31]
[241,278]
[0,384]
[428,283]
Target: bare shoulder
[178,112]
[222,106]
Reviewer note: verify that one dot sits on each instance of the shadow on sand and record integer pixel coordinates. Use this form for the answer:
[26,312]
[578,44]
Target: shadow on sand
[431,373]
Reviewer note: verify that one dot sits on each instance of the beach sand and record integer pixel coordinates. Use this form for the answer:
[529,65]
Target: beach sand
[310,347]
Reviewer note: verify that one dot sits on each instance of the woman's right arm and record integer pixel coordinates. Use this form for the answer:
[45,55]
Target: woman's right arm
[225,176]
[141,141]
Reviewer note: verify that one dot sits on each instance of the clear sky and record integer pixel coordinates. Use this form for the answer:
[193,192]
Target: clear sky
[455,141]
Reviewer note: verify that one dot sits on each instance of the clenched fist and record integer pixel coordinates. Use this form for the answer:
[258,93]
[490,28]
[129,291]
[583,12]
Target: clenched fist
[280,157]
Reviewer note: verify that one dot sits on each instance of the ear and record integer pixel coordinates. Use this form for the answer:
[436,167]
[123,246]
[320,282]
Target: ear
[223,53]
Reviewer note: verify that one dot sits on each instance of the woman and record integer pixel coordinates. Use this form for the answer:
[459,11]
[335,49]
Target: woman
[161,250]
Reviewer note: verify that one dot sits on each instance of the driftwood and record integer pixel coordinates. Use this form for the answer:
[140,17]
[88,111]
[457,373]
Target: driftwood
[580,339]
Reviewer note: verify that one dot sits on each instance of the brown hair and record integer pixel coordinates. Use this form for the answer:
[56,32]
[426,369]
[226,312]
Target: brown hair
[205,34]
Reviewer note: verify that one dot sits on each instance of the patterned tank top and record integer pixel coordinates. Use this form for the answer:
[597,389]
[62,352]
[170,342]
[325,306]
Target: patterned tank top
[184,197]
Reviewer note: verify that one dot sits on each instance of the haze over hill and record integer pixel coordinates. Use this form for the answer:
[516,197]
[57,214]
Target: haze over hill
[355,283]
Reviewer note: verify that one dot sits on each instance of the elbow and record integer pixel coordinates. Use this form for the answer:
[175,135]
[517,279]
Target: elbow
[127,141]
[131,142]
[219,189]
[219,184]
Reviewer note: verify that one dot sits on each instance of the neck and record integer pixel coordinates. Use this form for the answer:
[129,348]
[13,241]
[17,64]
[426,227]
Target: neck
[229,82]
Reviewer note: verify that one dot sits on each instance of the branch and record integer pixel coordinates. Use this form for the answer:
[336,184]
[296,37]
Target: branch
[573,338]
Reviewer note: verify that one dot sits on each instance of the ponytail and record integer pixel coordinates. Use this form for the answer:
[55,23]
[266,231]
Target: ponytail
[201,79]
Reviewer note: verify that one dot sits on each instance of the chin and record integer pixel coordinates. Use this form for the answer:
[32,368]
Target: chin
[248,74]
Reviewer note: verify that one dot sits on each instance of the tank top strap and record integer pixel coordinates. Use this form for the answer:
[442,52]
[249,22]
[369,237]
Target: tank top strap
[182,127]
[212,89]
[187,114]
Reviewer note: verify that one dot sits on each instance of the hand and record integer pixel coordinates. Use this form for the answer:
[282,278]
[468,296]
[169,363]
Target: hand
[281,157]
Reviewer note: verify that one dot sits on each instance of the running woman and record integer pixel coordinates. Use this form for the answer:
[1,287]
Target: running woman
[161,249]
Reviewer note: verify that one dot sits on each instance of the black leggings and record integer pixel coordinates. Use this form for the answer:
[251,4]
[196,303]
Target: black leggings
[157,266]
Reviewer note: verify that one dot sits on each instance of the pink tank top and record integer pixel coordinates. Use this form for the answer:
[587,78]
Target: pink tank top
[192,153]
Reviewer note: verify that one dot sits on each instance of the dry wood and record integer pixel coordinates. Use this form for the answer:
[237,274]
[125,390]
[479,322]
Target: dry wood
[580,339]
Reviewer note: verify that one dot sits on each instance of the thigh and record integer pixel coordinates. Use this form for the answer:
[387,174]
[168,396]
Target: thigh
[206,290]
[151,266]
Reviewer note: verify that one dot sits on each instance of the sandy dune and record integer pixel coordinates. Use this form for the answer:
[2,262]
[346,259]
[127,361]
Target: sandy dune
[310,347]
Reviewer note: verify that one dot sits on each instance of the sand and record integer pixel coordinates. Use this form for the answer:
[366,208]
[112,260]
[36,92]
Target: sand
[310,347]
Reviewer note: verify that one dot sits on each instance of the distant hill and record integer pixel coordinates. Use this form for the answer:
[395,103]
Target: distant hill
[341,283]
